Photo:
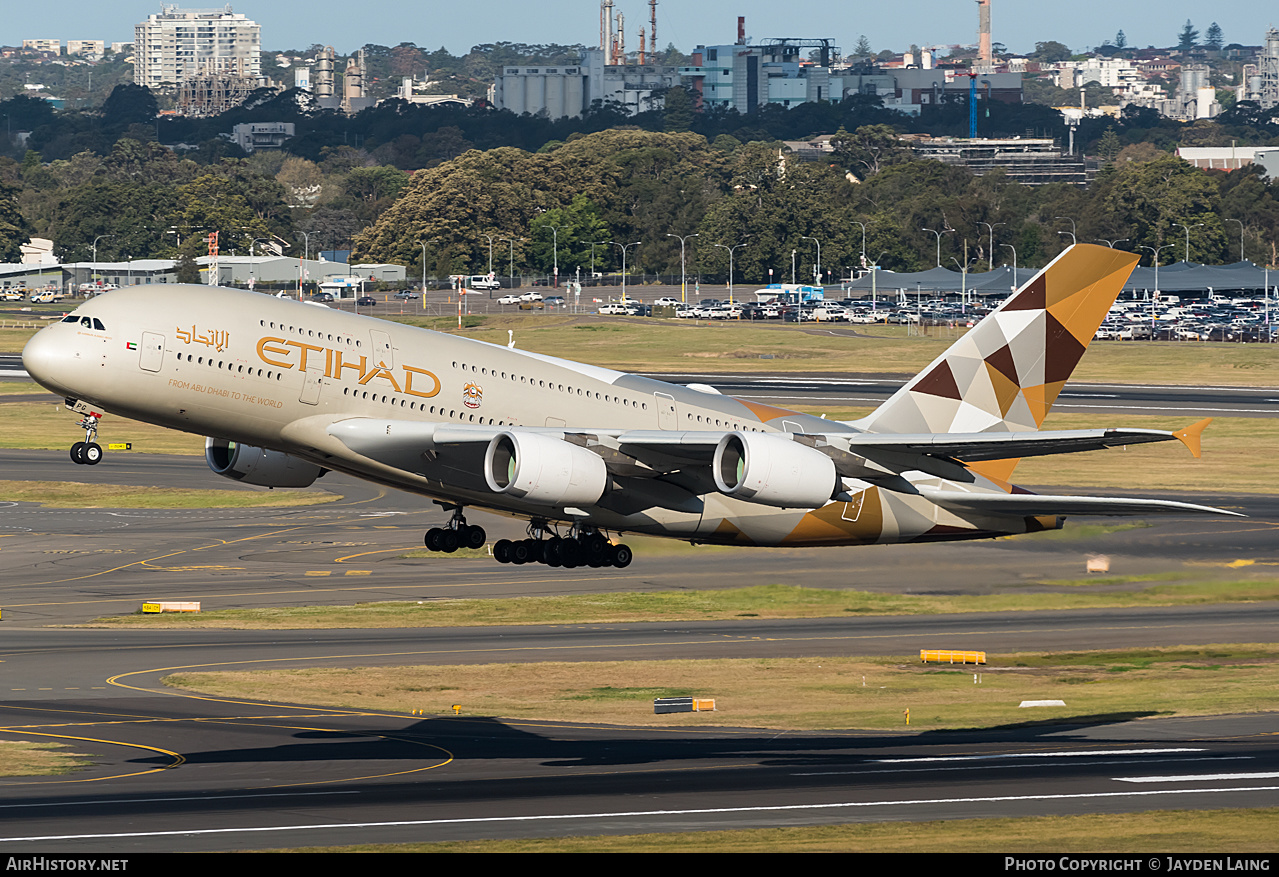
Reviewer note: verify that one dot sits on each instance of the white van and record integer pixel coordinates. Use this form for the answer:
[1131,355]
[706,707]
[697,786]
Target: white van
[482,281]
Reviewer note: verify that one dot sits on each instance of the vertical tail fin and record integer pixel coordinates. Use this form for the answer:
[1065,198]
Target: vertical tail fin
[1005,373]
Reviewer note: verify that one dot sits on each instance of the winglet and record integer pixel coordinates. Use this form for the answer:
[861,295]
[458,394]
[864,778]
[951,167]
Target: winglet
[1190,436]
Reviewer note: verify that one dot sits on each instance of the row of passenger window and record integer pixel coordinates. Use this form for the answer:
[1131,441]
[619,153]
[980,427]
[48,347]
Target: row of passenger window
[230,366]
[524,379]
[310,333]
[439,411]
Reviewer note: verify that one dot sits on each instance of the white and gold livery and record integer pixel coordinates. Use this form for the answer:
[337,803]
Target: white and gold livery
[287,391]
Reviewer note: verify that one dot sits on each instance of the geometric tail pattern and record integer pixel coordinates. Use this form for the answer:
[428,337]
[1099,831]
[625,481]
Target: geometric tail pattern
[1005,373]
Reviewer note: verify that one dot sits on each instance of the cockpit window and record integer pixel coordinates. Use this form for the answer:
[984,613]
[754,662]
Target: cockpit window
[86,322]
[97,324]
[71,318]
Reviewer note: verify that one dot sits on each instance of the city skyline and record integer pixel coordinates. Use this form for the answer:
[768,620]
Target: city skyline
[289,24]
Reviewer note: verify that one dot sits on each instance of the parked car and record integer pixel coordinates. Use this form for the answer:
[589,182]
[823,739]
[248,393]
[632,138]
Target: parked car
[509,300]
[531,296]
[555,300]
[366,301]
[322,296]
[406,295]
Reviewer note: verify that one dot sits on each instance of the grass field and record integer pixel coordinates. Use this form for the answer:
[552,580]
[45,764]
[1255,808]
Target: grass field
[795,693]
[1159,831]
[74,495]
[761,601]
[25,758]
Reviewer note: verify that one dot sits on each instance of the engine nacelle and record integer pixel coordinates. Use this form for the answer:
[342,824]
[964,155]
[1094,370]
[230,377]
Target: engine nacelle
[258,465]
[544,470]
[773,471]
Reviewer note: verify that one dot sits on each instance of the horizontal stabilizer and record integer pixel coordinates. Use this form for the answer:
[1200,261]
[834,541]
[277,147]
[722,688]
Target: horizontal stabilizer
[976,446]
[1032,504]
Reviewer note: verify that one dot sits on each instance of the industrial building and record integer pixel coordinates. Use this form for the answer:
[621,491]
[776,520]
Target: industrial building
[1030,161]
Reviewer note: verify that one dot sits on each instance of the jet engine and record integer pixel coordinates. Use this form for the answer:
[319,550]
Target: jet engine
[544,470]
[773,471]
[258,465]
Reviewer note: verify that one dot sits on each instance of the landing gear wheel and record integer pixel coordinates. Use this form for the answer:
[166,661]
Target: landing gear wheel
[448,541]
[502,550]
[620,555]
[92,454]
[77,452]
[594,549]
[472,536]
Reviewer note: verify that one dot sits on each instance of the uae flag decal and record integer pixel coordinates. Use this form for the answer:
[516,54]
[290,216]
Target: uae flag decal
[129,345]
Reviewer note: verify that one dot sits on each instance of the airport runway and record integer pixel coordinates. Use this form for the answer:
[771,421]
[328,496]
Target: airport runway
[175,772]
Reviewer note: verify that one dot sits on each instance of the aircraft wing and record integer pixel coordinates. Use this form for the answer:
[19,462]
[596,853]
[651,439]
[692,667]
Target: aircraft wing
[1030,504]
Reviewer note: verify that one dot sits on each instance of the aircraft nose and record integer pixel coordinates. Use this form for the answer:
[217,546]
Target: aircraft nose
[47,359]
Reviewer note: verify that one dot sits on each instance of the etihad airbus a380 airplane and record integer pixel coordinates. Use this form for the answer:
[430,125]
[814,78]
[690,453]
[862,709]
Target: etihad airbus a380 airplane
[286,391]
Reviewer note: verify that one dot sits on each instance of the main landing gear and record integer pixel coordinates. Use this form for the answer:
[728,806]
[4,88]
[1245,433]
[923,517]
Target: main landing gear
[458,533]
[88,452]
[584,546]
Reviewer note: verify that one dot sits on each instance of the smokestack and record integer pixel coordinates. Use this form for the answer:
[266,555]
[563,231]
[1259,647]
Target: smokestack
[741,30]
[984,55]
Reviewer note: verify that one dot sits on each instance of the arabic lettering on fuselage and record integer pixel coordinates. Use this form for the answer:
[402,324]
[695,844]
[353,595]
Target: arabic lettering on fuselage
[217,339]
[286,354]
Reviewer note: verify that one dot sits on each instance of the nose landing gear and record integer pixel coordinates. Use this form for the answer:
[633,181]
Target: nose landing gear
[88,452]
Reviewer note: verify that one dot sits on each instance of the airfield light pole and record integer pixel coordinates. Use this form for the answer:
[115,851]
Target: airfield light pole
[683,282]
[1155,296]
[491,239]
[1187,228]
[511,267]
[1241,230]
[792,266]
[939,234]
[555,245]
[863,225]
[1014,249]
[94,278]
[963,288]
[1073,239]
[1111,243]
[730,265]
[817,269]
[624,246]
[874,277]
[992,227]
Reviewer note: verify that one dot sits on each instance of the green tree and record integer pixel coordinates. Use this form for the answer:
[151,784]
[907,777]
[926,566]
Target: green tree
[1213,38]
[1121,41]
[1189,37]
[678,116]
[13,228]
[577,225]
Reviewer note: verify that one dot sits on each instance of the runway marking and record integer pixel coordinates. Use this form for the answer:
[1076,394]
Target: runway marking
[703,811]
[1197,778]
[177,759]
[862,772]
[26,805]
[1085,753]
